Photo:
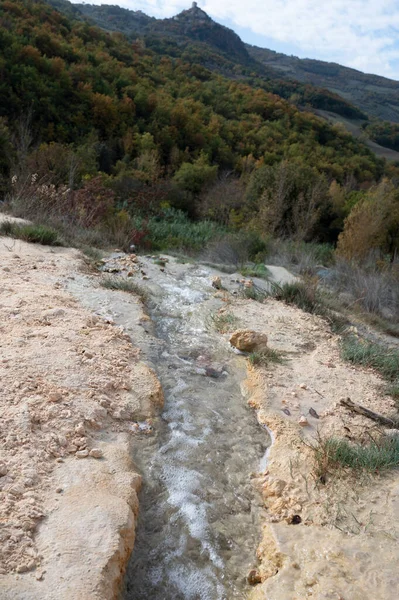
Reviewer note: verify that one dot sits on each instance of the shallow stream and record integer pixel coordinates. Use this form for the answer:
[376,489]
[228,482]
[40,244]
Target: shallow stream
[199,513]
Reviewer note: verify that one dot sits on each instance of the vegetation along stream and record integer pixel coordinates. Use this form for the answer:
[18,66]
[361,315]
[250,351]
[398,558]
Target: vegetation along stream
[199,514]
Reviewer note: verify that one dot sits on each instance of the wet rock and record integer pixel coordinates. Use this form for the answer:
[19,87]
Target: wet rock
[313,413]
[254,577]
[295,520]
[248,340]
[217,282]
[211,372]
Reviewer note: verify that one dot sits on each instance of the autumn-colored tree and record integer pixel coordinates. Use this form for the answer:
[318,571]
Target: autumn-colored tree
[373,224]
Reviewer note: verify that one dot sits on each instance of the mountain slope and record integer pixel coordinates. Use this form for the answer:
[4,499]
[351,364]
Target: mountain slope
[377,96]
[322,84]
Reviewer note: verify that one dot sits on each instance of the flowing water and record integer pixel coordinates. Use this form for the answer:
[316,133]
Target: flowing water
[199,513]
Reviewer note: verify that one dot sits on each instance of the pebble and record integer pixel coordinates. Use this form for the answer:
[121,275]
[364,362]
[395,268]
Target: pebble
[58,490]
[303,386]
[96,453]
[82,453]
[303,421]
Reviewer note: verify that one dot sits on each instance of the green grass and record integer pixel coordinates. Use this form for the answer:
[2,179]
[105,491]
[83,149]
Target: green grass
[225,322]
[124,285]
[393,389]
[301,294]
[368,354]
[333,453]
[175,231]
[35,234]
[265,358]
[255,271]
[93,254]
[254,293]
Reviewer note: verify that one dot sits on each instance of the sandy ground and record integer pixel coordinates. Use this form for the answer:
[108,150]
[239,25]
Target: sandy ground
[346,542]
[72,389]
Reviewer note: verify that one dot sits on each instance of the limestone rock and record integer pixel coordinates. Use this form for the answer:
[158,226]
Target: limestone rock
[248,340]
[96,453]
[82,453]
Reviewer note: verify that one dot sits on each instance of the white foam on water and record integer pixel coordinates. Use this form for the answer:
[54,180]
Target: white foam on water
[264,460]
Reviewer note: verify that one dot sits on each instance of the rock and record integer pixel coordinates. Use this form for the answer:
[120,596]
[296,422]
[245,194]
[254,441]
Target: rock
[313,413]
[3,469]
[254,577]
[248,340]
[80,429]
[303,386]
[96,453]
[54,397]
[303,421]
[58,490]
[217,282]
[82,453]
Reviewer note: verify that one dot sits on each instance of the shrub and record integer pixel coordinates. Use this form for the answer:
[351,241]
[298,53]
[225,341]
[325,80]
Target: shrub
[373,290]
[254,292]
[304,295]
[235,248]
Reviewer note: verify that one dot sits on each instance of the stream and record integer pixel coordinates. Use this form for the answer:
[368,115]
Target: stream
[200,515]
[199,523]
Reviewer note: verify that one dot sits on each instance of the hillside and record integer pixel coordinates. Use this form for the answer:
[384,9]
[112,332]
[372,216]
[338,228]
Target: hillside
[337,93]
[375,95]
[114,135]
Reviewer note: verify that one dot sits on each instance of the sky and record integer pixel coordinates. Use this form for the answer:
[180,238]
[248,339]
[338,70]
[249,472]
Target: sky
[363,34]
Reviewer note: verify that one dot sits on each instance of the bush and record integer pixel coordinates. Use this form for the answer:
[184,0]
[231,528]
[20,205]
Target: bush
[369,354]
[373,290]
[304,295]
[303,258]
[235,249]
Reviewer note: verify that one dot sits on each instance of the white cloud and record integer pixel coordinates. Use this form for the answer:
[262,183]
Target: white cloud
[359,33]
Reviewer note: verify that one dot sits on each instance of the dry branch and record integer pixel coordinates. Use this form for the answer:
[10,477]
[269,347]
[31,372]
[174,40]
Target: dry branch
[365,412]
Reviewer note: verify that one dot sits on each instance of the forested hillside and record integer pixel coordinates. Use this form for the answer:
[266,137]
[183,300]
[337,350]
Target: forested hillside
[130,133]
